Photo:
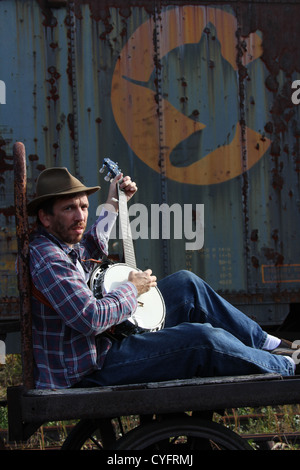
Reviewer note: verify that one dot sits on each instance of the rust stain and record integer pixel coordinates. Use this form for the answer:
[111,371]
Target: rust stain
[4,165]
[53,81]
[272,255]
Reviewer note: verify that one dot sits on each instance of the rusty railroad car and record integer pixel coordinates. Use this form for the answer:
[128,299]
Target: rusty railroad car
[198,102]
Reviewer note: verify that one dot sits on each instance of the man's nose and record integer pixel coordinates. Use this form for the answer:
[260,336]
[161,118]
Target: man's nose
[79,214]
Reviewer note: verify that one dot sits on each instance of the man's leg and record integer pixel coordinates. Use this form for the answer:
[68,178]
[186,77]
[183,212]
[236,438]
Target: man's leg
[189,299]
[181,352]
[204,336]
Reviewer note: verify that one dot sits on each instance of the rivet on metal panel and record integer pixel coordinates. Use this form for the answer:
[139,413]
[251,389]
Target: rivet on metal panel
[72,69]
[161,156]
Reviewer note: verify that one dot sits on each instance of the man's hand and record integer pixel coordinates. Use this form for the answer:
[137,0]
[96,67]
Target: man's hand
[143,280]
[129,187]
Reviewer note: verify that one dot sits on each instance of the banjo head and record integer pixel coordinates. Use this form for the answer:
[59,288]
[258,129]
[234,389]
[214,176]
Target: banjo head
[150,313]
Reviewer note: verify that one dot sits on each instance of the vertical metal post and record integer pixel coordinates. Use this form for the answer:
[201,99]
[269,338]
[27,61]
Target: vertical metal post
[20,178]
[72,35]
[162,155]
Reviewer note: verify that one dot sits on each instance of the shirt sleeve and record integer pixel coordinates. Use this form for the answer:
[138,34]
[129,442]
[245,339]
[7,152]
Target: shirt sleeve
[95,241]
[64,287]
[105,224]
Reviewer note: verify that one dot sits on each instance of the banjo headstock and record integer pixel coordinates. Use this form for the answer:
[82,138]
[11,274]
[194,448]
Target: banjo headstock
[111,167]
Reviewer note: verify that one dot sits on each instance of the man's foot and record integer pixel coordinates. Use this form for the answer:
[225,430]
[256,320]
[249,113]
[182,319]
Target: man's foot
[284,351]
[286,345]
[286,348]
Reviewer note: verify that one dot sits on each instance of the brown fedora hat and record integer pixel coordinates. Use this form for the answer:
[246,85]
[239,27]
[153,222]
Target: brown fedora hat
[56,182]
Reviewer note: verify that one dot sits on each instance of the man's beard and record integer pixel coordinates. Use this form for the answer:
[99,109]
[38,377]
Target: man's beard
[66,235]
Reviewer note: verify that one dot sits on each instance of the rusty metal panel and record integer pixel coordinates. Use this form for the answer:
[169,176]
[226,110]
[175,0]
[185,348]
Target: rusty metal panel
[32,112]
[194,101]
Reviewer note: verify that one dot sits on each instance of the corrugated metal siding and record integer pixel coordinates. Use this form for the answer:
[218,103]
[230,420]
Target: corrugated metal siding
[192,100]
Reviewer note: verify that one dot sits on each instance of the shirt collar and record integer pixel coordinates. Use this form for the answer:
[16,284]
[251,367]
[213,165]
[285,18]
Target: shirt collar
[73,252]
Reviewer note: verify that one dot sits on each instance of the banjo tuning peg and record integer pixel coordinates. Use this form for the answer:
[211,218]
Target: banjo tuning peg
[108,177]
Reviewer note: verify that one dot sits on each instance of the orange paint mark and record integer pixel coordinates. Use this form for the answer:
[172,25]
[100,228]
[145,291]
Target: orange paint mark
[135,109]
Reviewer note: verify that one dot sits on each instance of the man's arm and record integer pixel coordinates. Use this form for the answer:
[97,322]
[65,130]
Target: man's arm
[54,274]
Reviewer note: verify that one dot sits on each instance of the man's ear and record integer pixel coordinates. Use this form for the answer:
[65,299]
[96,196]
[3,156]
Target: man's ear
[44,218]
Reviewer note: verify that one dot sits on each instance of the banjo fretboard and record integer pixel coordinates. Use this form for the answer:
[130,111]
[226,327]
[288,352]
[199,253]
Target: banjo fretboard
[128,247]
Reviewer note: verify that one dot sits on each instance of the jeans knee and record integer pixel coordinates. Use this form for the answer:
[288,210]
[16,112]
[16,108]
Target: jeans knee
[209,336]
[185,276]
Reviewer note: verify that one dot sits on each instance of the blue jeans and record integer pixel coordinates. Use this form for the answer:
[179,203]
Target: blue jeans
[204,336]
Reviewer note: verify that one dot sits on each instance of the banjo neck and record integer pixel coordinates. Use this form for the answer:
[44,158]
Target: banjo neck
[150,312]
[128,247]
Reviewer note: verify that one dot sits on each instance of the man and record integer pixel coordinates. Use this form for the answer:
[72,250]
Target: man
[203,335]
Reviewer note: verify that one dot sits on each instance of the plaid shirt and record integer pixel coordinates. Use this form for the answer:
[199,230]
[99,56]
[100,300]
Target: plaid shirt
[64,336]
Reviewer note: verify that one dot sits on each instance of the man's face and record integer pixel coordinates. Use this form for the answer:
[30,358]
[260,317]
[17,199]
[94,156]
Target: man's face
[69,219]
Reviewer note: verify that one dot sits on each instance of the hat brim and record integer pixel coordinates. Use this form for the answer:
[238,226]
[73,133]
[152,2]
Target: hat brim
[33,206]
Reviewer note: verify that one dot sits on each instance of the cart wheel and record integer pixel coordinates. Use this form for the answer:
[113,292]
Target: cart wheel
[90,434]
[187,433]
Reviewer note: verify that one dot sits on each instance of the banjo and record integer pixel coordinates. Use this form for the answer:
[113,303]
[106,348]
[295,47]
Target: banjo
[150,312]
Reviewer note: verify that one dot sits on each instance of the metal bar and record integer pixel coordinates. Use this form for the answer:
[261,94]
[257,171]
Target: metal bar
[20,177]
[72,33]
[157,398]
[161,130]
